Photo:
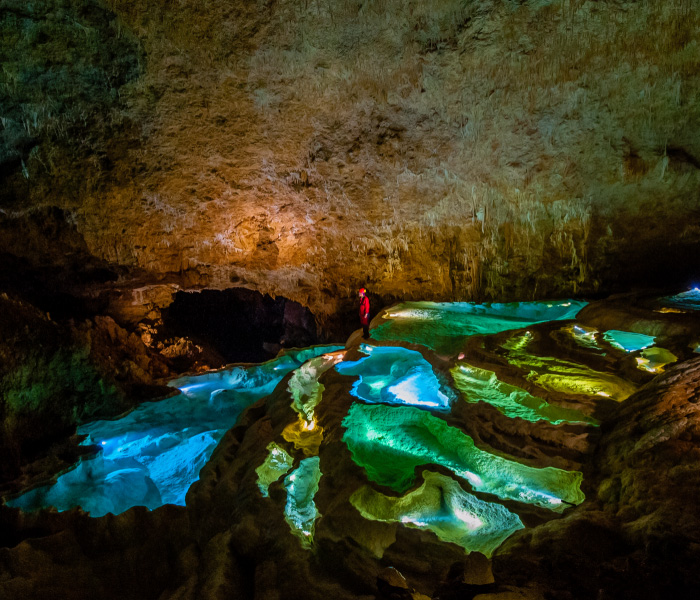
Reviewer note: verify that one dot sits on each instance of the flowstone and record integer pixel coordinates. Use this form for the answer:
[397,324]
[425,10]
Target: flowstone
[305,435]
[163,445]
[300,511]
[304,387]
[627,340]
[307,392]
[689,300]
[654,360]
[254,379]
[395,375]
[278,462]
[440,505]
[98,487]
[584,336]
[564,376]
[390,442]
[442,326]
[482,385]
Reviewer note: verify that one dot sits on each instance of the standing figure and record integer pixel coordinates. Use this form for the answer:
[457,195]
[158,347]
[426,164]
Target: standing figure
[364,312]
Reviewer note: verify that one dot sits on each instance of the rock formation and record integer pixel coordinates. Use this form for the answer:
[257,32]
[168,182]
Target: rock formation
[628,532]
[163,163]
[452,150]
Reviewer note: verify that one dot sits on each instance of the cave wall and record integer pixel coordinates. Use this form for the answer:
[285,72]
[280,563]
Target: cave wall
[55,375]
[451,150]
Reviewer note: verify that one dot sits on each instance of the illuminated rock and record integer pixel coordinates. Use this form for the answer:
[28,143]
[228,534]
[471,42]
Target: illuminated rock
[689,300]
[655,359]
[277,463]
[300,510]
[307,392]
[627,340]
[564,376]
[452,149]
[394,375]
[483,385]
[443,326]
[252,379]
[584,336]
[98,487]
[304,387]
[305,435]
[440,505]
[171,439]
[647,483]
[390,442]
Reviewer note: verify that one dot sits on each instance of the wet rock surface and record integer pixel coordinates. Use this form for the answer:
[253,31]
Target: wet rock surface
[55,375]
[635,535]
[456,150]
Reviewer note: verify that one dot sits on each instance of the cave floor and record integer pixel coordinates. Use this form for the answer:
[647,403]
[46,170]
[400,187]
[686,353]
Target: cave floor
[463,445]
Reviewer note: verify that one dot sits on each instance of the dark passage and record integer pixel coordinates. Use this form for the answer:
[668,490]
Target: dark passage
[240,324]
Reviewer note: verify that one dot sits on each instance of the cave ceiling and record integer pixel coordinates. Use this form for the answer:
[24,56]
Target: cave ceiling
[446,150]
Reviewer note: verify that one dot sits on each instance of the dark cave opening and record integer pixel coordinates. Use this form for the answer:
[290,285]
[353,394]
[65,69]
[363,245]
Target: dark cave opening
[241,325]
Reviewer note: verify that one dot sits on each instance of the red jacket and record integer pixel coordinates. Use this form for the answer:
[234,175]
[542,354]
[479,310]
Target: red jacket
[364,310]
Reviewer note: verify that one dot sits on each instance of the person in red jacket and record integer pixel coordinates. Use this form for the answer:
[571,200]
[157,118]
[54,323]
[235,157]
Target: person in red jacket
[364,312]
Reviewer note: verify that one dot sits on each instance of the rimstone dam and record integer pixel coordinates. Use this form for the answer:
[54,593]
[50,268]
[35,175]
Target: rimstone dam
[199,198]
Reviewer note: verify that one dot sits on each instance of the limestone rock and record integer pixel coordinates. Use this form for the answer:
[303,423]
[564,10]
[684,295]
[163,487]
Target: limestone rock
[212,160]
